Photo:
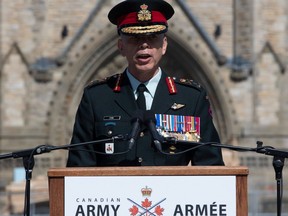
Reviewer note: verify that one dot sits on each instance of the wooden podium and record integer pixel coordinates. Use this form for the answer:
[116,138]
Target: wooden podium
[57,176]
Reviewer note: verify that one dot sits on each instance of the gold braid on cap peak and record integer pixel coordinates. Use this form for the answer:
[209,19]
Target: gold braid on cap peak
[143,29]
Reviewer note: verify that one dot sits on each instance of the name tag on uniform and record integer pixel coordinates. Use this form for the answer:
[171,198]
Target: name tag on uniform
[111,118]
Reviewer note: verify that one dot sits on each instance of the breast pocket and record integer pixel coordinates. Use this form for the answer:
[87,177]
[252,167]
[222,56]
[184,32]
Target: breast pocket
[111,129]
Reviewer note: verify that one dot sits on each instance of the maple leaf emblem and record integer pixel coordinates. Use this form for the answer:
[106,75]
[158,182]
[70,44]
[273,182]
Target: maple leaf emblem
[134,210]
[146,203]
[146,208]
[159,210]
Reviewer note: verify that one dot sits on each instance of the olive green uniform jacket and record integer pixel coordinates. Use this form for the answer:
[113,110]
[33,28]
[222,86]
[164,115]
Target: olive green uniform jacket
[104,113]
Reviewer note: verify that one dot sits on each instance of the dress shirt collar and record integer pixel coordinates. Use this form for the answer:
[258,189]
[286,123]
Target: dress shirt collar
[151,84]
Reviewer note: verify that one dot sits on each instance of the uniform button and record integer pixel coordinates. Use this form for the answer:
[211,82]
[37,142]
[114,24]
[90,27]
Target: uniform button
[109,132]
[140,160]
[141,134]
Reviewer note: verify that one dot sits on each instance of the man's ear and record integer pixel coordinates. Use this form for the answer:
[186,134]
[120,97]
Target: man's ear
[164,46]
[120,46]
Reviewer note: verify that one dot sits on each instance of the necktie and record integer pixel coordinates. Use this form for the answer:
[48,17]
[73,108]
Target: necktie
[141,102]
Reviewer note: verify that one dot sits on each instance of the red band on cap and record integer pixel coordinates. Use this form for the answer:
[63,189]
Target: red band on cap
[131,18]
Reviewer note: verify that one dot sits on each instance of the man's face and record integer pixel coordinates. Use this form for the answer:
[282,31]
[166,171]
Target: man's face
[143,52]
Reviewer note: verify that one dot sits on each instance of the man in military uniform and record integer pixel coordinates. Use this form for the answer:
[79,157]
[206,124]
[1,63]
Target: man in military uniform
[107,107]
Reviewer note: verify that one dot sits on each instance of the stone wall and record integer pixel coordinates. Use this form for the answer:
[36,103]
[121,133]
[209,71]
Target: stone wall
[31,31]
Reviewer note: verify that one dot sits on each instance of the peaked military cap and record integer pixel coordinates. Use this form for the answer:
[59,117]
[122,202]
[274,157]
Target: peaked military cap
[134,17]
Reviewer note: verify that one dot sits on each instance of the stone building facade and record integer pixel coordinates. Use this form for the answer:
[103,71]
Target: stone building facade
[237,49]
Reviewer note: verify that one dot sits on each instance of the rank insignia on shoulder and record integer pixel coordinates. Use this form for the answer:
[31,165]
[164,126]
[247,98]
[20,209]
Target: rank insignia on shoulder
[96,82]
[176,106]
[188,82]
[180,127]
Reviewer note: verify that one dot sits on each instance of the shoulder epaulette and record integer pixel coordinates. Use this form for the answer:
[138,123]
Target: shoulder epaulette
[102,81]
[188,82]
[96,82]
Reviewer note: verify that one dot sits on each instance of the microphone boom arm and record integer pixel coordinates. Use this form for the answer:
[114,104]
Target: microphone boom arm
[41,149]
[27,156]
[278,159]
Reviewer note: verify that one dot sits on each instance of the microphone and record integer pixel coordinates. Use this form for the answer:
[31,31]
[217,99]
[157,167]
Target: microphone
[150,121]
[136,122]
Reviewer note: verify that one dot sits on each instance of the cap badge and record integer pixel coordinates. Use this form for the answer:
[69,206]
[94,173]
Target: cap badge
[144,14]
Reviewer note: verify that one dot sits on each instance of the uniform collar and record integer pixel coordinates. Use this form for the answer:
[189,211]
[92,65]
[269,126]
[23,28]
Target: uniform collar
[151,84]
